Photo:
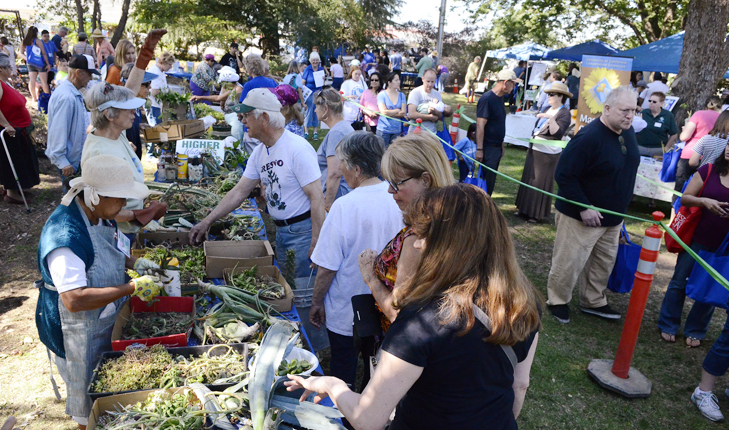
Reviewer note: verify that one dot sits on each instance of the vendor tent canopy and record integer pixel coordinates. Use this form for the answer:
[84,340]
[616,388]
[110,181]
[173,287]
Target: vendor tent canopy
[660,56]
[525,51]
[575,53]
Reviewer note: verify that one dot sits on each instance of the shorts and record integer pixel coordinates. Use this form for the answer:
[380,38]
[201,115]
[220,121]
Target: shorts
[470,84]
[32,68]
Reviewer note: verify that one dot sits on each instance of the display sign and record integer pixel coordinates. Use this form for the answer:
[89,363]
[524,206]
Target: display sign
[195,147]
[535,76]
[600,75]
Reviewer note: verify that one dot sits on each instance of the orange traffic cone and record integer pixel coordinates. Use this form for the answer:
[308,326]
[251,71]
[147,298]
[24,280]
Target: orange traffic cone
[455,87]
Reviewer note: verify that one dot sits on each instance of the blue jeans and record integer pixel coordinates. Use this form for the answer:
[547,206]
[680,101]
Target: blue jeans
[717,360]
[311,118]
[157,114]
[337,83]
[296,237]
[700,315]
[492,159]
[387,137]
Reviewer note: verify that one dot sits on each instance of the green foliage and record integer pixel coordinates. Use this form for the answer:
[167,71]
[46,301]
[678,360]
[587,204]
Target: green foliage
[172,98]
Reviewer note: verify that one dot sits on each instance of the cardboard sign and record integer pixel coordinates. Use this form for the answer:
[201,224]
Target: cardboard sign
[195,147]
[600,75]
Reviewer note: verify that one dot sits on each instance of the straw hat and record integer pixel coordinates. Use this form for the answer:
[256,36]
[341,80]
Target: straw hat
[97,33]
[108,176]
[559,88]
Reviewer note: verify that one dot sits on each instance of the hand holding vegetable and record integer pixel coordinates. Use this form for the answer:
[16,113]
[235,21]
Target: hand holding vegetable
[142,265]
[146,287]
[322,385]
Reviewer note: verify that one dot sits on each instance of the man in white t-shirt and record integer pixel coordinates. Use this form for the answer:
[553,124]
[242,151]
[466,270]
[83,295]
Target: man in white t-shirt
[658,85]
[286,164]
[425,103]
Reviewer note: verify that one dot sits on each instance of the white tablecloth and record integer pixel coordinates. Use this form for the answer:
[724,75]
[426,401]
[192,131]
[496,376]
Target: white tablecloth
[651,169]
[519,126]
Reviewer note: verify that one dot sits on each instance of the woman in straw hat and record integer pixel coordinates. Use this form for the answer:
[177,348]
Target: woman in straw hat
[103,47]
[541,159]
[82,257]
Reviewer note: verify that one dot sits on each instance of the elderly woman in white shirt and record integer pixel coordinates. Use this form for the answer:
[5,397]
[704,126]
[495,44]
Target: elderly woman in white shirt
[365,218]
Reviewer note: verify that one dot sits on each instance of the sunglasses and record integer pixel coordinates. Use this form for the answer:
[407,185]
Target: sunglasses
[395,185]
[374,80]
[623,149]
[653,101]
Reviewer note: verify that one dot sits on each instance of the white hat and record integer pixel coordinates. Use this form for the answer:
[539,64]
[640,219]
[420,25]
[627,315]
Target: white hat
[108,176]
[227,74]
[259,98]
[506,75]
[132,103]
[354,62]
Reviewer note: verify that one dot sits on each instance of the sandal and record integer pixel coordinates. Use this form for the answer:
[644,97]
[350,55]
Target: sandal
[692,342]
[670,338]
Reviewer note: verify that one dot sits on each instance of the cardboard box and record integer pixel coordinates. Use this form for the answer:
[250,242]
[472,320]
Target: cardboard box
[175,130]
[148,240]
[283,304]
[111,403]
[227,254]
[161,304]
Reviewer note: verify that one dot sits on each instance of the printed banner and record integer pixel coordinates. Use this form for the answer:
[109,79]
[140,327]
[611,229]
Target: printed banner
[600,75]
[195,147]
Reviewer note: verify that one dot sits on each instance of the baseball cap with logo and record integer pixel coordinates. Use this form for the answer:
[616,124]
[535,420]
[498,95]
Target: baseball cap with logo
[83,62]
[259,98]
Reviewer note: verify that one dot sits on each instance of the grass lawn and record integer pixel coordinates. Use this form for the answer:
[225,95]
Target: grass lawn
[561,395]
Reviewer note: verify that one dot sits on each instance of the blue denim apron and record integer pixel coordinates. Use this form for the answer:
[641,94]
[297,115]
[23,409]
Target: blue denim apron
[85,335]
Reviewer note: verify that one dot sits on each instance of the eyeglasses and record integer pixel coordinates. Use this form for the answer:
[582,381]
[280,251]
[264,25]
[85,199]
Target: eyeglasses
[653,101]
[623,149]
[552,94]
[395,185]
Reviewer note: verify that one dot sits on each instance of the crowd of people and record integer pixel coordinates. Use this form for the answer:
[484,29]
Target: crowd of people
[369,216]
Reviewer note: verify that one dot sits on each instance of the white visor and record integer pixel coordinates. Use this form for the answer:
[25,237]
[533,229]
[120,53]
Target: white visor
[132,103]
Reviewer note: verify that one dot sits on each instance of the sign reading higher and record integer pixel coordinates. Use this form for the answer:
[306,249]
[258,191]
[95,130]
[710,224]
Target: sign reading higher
[195,147]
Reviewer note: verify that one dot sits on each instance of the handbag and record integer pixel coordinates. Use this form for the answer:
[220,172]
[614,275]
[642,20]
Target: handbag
[670,160]
[701,286]
[448,145]
[474,178]
[685,222]
[626,264]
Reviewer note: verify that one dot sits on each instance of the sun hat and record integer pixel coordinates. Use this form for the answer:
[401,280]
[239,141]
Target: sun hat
[107,176]
[559,88]
[354,62]
[286,94]
[83,62]
[506,75]
[259,98]
[227,74]
[97,33]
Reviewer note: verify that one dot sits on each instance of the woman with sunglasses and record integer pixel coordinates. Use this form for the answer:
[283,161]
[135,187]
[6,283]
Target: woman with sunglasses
[203,79]
[460,352]
[541,160]
[412,164]
[369,101]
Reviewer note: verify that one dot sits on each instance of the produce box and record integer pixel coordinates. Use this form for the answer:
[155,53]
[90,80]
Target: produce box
[227,254]
[186,351]
[146,240]
[160,304]
[175,130]
[283,304]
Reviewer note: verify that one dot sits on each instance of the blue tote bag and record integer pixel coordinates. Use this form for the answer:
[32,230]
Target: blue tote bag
[670,160]
[474,178]
[446,136]
[701,286]
[626,264]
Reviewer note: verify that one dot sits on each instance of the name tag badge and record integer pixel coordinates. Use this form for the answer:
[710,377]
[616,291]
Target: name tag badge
[658,124]
[123,243]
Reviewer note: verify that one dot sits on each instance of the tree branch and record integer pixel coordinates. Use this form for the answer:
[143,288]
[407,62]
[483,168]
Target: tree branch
[622,18]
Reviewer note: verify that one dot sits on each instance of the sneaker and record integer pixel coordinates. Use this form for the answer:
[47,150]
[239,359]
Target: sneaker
[708,404]
[306,136]
[316,137]
[561,312]
[603,312]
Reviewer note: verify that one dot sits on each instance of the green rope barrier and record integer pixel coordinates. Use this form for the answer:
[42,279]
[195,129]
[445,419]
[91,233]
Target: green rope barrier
[714,274]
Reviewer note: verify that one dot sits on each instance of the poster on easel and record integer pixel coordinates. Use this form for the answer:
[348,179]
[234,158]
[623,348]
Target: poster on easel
[599,76]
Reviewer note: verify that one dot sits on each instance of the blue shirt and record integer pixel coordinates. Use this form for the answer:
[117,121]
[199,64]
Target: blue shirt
[57,41]
[396,61]
[390,126]
[257,82]
[308,78]
[50,50]
[369,58]
[468,147]
[67,122]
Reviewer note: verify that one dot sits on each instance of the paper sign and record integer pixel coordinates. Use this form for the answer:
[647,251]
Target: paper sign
[319,78]
[538,70]
[600,75]
[670,103]
[195,147]
[305,93]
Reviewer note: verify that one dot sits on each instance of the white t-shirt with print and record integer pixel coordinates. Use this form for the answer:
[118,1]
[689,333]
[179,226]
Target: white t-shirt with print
[352,88]
[418,97]
[159,83]
[285,168]
[366,218]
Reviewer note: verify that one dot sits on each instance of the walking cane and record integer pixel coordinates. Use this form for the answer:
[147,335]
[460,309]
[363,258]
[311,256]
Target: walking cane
[12,166]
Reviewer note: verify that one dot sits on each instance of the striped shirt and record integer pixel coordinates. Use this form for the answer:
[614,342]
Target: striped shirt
[710,148]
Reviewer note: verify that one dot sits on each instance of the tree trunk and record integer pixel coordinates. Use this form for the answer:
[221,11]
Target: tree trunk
[80,15]
[96,16]
[705,56]
[270,43]
[119,32]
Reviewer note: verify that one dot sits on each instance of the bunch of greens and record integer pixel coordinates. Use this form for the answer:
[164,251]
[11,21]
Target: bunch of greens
[161,410]
[243,227]
[293,367]
[144,325]
[191,261]
[235,156]
[172,98]
[203,110]
[265,286]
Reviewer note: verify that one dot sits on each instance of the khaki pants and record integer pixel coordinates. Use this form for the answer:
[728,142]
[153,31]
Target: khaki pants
[582,255]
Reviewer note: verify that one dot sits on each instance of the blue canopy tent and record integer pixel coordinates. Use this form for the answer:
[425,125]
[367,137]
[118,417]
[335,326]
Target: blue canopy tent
[525,51]
[575,53]
[660,56]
